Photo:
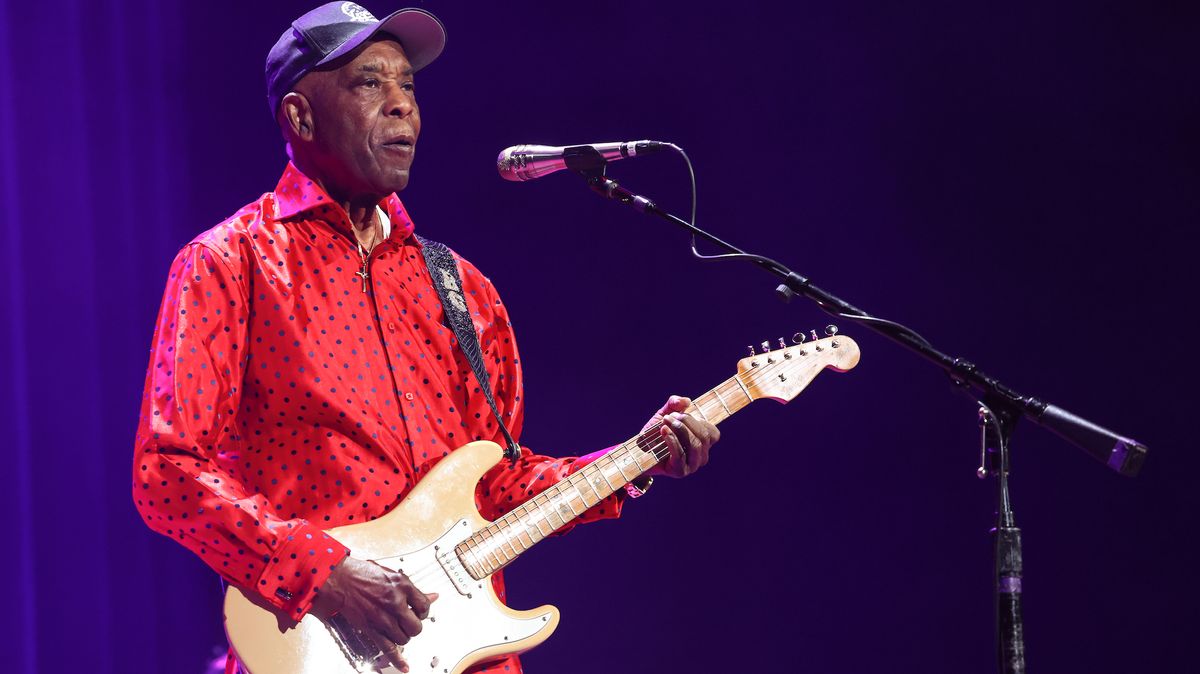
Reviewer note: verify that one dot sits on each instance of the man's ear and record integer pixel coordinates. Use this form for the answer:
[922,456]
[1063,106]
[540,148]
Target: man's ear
[295,116]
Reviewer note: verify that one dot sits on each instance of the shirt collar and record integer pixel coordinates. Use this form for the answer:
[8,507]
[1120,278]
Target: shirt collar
[296,193]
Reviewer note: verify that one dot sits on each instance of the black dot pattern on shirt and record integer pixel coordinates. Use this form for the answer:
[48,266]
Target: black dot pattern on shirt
[281,400]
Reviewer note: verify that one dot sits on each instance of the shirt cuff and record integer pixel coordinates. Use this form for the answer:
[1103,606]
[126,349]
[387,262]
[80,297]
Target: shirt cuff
[301,564]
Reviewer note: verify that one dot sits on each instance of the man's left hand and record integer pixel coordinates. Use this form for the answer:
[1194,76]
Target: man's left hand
[687,437]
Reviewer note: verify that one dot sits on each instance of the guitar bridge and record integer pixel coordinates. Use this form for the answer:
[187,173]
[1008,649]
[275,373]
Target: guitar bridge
[360,652]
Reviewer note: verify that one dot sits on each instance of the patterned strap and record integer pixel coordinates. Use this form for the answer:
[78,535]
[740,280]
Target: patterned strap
[448,283]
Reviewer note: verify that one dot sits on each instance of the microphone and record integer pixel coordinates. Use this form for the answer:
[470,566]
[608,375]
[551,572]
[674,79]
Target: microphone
[528,162]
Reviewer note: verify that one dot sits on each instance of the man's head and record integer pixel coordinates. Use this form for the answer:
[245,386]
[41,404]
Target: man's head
[340,84]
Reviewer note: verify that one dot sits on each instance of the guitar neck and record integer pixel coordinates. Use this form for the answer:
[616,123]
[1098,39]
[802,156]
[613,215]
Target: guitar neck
[496,545]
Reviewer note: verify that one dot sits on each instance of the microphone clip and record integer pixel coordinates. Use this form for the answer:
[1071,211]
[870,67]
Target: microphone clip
[585,160]
[610,189]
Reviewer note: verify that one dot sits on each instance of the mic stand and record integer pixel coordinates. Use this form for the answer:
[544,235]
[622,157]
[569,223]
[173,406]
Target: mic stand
[1000,407]
[1010,630]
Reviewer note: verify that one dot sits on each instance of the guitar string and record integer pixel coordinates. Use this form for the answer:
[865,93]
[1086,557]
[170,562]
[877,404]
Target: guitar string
[494,529]
[561,490]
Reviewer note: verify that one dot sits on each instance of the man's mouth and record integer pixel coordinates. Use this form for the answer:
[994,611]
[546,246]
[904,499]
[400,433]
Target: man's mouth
[401,143]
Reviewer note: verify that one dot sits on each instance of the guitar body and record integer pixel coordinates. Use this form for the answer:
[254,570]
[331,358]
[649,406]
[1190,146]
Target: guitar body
[436,534]
[467,623]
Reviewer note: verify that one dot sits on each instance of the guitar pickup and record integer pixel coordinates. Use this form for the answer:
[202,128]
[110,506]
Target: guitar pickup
[456,571]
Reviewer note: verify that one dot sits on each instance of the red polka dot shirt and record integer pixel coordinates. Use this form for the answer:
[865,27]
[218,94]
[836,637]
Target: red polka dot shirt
[282,400]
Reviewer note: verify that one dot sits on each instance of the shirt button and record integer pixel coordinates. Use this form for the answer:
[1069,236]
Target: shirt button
[408,396]
[391,326]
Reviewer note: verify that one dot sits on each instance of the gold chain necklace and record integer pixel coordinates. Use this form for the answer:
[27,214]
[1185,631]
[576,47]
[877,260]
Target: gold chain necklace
[364,253]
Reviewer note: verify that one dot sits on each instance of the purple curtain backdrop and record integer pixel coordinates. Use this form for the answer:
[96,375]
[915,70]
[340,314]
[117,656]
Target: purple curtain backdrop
[1017,183]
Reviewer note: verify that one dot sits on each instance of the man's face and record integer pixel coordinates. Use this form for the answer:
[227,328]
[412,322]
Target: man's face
[365,122]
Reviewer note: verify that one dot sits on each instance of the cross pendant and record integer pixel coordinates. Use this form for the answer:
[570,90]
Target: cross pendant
[365,275]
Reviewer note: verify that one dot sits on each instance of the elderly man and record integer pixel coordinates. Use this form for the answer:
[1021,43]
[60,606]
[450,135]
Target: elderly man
[301,375]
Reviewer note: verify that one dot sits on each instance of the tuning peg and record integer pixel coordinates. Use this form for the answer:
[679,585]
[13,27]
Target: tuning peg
[831,330]
[798,338]
[782,344]
[766,346]
[753,363]
[752,351]
[814,335]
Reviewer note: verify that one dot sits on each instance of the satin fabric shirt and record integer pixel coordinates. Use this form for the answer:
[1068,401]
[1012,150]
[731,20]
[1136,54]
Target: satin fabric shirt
[282,400]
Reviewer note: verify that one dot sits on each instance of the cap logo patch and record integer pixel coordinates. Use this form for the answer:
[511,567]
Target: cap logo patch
[357,13]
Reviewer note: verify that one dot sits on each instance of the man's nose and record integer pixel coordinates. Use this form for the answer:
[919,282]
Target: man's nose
[399,102]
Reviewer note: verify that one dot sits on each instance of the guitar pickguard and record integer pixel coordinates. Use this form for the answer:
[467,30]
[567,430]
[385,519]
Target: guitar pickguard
[466,624]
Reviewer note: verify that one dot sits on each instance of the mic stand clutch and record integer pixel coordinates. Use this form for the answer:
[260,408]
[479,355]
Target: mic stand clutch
[1000,407]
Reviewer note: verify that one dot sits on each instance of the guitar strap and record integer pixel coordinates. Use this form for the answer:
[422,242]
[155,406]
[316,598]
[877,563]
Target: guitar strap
[448,283]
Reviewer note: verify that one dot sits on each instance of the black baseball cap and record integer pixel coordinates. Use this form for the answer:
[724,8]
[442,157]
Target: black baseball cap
[336,29]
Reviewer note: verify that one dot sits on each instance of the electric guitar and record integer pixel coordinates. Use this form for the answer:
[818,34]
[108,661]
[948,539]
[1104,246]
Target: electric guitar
[438,538]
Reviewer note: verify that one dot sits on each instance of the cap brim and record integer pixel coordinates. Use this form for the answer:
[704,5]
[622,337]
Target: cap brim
[420,33]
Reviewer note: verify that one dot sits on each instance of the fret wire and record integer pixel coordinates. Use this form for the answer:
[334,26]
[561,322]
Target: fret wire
[471,550]
[585,476]
[483,536]
[559,496]
[508,519]
[498,552]
[517,530]
[529,528]
[608,462]
[715,415]
[700,409]
[521,527]
[570,505]
[591,486]
[508,541]
[717,393]
[637,458]
[554,511]
[582,498]
[604,475]
[745,390]
[620,469]
[537,522]
[516,520]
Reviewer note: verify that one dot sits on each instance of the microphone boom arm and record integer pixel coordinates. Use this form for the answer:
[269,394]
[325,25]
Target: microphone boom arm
[1120,453]
[999,406]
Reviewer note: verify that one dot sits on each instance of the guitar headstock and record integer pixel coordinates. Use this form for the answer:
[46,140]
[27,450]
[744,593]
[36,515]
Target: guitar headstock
[781,373]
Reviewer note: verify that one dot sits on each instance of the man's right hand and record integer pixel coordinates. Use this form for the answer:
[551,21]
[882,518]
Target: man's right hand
[382,604]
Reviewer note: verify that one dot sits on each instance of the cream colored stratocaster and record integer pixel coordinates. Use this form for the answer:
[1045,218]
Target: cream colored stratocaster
[438,538]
